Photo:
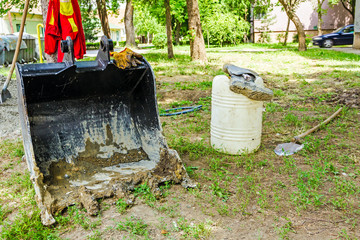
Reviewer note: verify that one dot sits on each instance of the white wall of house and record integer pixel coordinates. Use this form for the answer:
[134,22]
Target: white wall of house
[117,34]
[335,17]
[4,26]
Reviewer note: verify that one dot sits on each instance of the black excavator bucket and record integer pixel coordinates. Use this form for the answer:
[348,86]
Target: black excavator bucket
[91,130]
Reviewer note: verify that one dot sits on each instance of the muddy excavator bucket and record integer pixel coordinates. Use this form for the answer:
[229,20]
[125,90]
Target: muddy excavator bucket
[92,130]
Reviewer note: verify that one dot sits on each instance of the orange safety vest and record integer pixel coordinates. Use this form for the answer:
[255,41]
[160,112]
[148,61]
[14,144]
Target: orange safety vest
[64,19]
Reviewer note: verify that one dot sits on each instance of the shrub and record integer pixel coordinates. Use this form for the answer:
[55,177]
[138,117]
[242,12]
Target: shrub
[159,40]
[308,39]
[280,37]
[122,43]
[224,28]
[264,37]
[92,45]
[296,38]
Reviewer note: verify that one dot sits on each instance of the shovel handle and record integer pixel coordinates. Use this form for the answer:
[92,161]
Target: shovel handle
[298,137]
[18,44]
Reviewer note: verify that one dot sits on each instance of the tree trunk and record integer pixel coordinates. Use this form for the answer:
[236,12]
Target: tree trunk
[50,58]
[177,32]
[101,7]
[168,29]
[129,24]
[319,23]
[208,38]
[299,27]
[10,22]
[197,44]
[287,32]
[319,11]
[252,22]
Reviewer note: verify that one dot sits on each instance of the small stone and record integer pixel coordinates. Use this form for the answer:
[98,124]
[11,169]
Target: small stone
[66,176]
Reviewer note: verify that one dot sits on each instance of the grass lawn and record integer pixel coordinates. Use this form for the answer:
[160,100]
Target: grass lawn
[313,194]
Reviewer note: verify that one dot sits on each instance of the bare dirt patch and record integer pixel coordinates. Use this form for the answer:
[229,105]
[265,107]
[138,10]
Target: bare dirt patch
[347,97]
[168,93]
[168,97]
[9,116]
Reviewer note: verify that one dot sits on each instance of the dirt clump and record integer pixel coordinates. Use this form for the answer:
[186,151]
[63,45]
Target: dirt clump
[347,97]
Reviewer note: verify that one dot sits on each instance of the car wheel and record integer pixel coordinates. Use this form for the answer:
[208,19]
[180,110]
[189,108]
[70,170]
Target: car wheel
[328,43]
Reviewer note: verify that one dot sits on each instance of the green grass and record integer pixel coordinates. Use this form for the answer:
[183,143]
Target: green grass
[321,54]
[193,231]
[284,230]
[5,72]
[134,226]
[3,213]
[144,192]
[121,205]
[77,216]
[11,148]
[321,179]
[27,225]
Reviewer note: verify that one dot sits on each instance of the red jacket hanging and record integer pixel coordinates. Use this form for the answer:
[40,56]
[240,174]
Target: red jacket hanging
[64,19]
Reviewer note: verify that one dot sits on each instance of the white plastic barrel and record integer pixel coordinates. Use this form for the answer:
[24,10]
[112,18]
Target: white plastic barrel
[236,121]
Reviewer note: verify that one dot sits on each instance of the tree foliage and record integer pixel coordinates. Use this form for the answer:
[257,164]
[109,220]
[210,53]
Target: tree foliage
[145,22]
[223,21]
[349,5]
[223,24]
[91,23]
[223,28]
[7,5]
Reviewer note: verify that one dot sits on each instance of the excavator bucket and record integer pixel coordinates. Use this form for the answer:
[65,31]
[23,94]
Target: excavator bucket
[91,130]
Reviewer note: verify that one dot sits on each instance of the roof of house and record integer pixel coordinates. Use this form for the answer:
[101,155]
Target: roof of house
[36,10]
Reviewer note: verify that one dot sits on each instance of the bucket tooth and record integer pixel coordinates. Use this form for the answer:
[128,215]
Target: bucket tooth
[92,130]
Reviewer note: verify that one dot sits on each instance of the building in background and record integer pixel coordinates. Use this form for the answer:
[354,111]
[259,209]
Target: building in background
[34,17]
[117,26]
[277,20]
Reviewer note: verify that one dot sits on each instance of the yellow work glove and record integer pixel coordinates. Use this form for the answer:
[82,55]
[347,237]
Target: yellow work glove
[126,58]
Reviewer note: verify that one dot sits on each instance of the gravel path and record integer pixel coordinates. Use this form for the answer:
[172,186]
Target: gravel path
[9,116]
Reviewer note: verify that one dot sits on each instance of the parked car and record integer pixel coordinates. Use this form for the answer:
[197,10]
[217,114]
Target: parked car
[341,36]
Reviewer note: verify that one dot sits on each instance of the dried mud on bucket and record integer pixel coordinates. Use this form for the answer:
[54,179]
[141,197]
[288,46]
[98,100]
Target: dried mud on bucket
[86,181]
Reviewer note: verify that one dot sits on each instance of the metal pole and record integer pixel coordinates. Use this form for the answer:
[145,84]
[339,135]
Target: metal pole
[39,41]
